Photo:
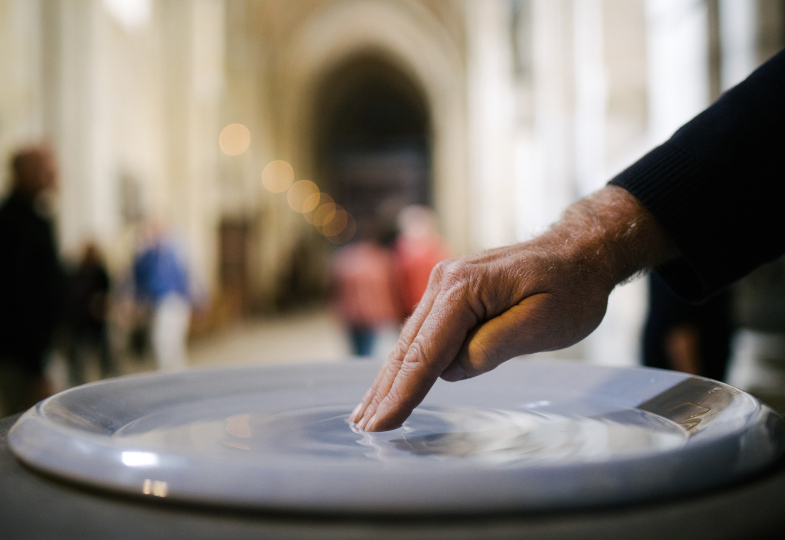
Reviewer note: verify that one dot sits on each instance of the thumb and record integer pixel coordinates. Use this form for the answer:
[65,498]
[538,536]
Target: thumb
[531,326]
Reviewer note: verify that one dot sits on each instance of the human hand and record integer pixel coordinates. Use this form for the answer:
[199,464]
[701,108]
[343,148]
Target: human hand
[545,294]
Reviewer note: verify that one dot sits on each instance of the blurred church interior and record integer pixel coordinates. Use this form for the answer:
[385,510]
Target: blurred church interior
[235,121]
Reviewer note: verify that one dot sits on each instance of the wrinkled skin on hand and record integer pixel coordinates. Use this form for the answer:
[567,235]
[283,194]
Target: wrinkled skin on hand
[545,294]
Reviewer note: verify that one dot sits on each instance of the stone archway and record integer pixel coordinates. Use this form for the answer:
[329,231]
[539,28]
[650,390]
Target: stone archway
[406,37]
[372,143]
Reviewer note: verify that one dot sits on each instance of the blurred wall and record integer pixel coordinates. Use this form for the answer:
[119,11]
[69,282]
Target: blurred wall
[531,104]
[130,107]
[21,92]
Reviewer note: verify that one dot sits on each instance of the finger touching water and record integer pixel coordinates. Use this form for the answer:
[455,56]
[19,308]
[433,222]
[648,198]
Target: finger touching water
[392,365]
[428,343]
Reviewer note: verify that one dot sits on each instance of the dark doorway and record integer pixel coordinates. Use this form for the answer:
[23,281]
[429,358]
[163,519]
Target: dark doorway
[235,247]
[373,138]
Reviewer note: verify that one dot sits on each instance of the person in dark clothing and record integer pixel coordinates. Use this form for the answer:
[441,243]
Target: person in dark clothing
[86,312]
[30,281]
[702,210]
[686,337]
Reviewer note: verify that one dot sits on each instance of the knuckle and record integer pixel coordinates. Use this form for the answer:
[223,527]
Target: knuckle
[456,271]
[464,288]
[418,359]
[459,280]
[440,269]
[400,350]
[415,354]
[392,370]
[438,273]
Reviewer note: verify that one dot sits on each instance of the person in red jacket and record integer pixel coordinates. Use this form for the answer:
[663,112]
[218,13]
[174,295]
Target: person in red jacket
[418,249]
[365,294]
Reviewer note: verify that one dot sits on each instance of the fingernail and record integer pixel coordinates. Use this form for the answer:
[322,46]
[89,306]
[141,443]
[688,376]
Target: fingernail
[454,372]
[371,422]
[355,412]
[361,423]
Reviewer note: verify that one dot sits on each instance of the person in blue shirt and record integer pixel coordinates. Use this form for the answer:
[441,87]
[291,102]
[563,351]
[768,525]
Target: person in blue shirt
[161,282]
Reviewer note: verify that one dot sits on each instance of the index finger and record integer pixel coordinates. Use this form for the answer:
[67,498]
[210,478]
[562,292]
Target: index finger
[436,344]
[389,369]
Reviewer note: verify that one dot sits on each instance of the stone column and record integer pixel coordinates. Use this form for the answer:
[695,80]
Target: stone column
[590,96]
[738,40]
[553,101]
[677,50]
[491,122]
[192,44]
[21,119]
[78,114]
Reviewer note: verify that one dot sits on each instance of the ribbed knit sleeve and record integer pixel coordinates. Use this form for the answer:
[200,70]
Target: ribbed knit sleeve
[717,185]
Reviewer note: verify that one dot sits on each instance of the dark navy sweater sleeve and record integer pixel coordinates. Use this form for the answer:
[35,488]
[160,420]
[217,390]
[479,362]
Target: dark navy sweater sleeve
[717,186]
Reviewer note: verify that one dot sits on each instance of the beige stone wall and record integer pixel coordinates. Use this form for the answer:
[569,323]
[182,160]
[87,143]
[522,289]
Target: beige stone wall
[21,114]
[532,103]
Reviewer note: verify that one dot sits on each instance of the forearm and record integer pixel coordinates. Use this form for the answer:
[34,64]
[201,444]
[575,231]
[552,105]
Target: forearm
[611,234]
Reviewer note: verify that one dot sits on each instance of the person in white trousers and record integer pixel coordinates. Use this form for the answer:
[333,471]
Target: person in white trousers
[161,279]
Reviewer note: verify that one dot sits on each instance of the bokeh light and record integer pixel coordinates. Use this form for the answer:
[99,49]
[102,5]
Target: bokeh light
[277,176]
[311,216]
[347,233]
[324,214]
[301,196]
[311,202]
[337,223]
[234,139]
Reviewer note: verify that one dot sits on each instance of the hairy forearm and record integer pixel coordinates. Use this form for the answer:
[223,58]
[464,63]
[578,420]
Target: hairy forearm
[611,234]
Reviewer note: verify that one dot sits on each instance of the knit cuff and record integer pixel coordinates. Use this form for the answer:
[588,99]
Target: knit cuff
[663,182]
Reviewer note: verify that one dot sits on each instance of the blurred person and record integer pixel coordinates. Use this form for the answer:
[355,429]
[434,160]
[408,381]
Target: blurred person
[87,307]
[31,281]
[690,338]
[161,282]
[702,209]
[365,294]
[418,249]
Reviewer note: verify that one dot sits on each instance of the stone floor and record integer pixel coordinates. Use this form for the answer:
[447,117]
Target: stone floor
[307,336]
[311,336]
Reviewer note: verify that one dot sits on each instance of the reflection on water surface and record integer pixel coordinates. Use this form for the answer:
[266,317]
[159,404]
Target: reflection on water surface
[484,436]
